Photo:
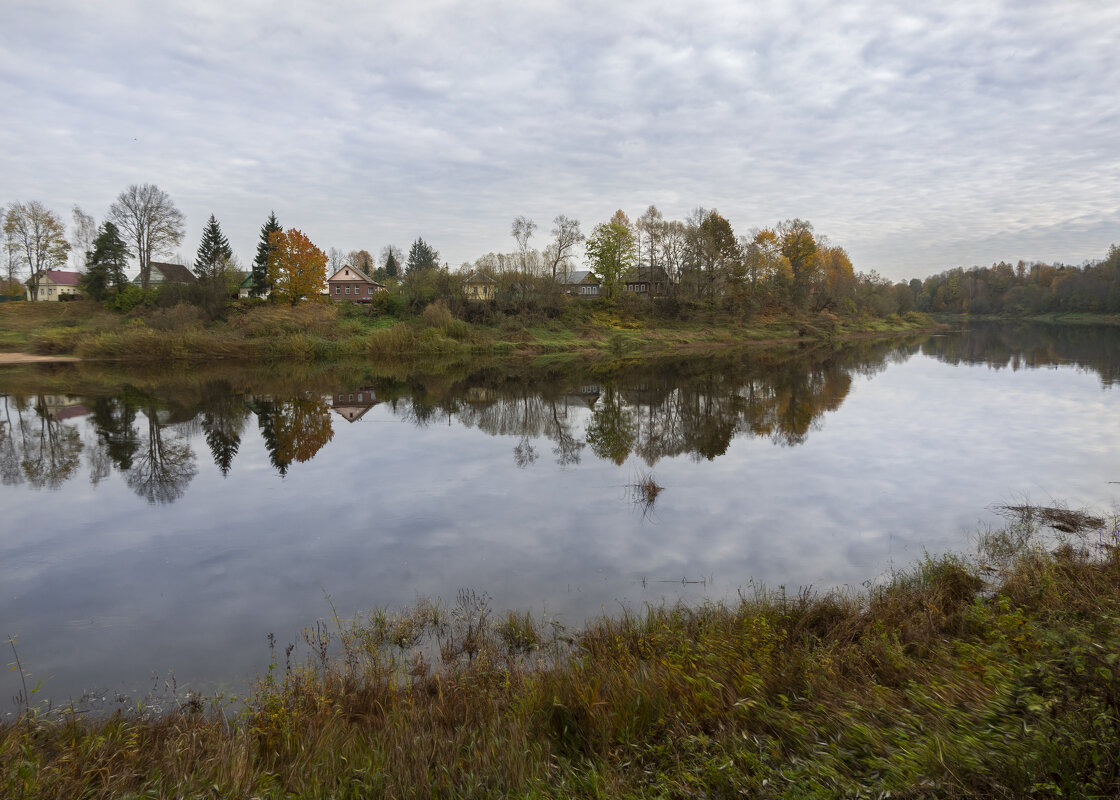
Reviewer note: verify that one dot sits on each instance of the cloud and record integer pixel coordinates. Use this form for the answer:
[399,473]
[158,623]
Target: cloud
[918,138]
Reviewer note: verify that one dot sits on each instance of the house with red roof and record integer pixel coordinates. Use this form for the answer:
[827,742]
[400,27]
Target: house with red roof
[54,285]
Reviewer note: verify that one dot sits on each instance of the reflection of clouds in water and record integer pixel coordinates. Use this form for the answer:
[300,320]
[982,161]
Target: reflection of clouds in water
[103,588]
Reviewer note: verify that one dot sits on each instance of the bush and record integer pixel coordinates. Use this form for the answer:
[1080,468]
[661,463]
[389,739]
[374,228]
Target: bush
[130,297]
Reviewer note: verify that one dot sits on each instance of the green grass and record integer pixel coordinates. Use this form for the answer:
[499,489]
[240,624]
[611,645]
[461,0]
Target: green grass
[995,677]
[316,331]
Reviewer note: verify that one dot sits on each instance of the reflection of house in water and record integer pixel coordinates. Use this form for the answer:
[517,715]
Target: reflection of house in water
[587,394]
[60,407]
[353,405]
[480,394]
[169,415]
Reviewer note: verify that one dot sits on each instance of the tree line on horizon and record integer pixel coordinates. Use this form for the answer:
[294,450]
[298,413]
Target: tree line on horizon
[698,261]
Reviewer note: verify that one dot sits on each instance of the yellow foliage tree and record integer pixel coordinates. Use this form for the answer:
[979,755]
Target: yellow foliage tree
[296,267]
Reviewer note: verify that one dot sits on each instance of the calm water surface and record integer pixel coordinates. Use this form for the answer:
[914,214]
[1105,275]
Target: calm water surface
[162,524]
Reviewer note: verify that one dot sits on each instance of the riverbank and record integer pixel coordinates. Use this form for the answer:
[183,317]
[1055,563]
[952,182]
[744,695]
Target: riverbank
[987,677]
[333,332]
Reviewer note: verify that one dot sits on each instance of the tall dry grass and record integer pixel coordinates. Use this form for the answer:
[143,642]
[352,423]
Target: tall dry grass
[958,678]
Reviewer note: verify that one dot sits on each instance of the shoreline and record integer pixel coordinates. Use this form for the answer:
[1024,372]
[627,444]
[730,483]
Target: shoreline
[984,676]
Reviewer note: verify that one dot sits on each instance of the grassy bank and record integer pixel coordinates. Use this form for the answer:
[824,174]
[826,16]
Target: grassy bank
[989,678]
[333,332]
[1053,318]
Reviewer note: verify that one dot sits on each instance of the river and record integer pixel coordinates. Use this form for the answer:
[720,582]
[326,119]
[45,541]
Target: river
[159,524]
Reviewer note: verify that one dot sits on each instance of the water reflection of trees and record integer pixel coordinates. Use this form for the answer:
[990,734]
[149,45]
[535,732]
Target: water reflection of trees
[1032,345]
[649,411]
[666,411]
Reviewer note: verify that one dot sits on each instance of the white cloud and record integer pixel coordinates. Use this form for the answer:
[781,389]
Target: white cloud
[918,138]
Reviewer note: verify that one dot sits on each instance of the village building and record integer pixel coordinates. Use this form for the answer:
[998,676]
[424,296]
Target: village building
[354,285]
[162,272]
[54,285]
[581,283]
[479,286]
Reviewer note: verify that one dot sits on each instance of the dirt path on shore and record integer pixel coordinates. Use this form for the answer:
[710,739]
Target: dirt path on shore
[27,358]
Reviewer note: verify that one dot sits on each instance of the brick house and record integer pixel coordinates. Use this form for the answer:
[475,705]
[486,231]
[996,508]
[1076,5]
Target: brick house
[353,285]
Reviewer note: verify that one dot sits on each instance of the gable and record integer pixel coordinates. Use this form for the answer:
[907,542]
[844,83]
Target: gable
[351,274]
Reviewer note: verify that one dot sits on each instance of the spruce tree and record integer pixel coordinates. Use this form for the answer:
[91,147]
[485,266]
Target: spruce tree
[105,264]
[213,252]
[261,286]
[392,268]
[421,256]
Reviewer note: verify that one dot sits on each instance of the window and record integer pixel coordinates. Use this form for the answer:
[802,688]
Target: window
[370,290]
[338,290]
[347,290]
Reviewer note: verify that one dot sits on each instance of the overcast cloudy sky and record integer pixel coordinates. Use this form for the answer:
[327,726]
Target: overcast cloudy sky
[920,136]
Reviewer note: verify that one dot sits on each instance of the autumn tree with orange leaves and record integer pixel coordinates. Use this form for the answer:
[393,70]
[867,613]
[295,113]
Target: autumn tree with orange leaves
[296,267]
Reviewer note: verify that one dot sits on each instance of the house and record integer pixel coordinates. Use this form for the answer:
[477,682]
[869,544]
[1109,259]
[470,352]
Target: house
[354,285]
[352,405]
[479,286]
[581,283]
[161,273]
[55,284]
[646,282]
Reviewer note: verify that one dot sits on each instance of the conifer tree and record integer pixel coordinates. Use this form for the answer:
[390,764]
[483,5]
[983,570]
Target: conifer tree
[261,285]
[105,264]
[214,252]
[421,256]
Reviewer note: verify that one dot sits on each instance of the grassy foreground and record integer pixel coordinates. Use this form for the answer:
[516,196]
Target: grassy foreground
[990,678]
[326,331]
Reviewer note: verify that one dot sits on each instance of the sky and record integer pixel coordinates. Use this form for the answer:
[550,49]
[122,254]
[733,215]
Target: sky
[918,136]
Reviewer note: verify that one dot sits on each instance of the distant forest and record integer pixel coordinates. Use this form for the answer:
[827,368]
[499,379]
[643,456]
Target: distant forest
[1023,288]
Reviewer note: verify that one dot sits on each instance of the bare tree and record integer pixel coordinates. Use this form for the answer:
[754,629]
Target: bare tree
[146,215]
[651,231]
[522,230]
[565,236]
[335,259]
[36,238]
[81,239]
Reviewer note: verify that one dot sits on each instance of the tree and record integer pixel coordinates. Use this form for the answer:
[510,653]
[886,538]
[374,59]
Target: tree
[610,252]
[522,230]
[214,253]
[800,248]
[421,256]
[565,236]
[37,239]
[296,267]
[148,218]
[105,264]
[360,260]
[335,260]
[391,260]
[81,241]
[261,286]
[651,227]
[717,251]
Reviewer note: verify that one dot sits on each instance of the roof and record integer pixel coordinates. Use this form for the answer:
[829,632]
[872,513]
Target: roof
[352,274]
[60,277]
[173,273]
[579,276]
[479,277]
